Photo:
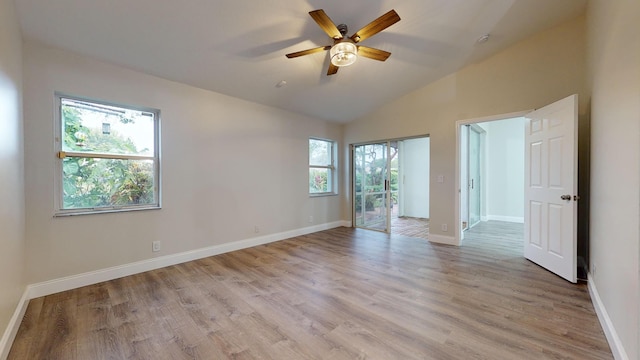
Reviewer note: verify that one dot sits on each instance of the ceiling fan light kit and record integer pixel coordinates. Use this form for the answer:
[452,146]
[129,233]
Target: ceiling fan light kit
[344,51]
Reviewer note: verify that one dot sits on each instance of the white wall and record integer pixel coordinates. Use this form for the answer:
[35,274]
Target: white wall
[504,169]
[614,80]
[535,72]
[12,216]
[464,176]
[227,165]
[415,186]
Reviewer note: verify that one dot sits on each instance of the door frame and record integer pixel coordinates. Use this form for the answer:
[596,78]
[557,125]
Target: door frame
[458,233]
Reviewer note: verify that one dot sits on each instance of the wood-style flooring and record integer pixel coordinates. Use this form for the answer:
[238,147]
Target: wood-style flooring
[338,294]
[410,226]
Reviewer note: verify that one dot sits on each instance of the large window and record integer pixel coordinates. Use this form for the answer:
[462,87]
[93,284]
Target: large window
[321,167]
[108,157]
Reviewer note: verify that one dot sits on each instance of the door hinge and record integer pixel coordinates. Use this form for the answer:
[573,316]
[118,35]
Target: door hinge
[576,197]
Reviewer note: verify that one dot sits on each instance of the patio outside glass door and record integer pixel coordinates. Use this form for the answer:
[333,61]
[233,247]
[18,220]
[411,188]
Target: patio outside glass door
[371,186]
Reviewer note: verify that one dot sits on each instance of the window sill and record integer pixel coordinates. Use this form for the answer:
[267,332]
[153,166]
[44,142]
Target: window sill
[66,213]
[322,194]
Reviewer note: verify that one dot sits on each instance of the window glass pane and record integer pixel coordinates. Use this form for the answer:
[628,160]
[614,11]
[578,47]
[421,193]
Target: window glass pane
[319,152]
[319,180]
[90,127]
[92,183]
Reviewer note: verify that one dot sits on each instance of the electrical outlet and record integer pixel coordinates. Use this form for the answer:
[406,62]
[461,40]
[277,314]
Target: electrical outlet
[155,246]
[444,227]
[256,229]
[310,218]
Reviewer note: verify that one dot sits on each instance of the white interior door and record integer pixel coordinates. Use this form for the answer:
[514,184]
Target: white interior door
[551,187]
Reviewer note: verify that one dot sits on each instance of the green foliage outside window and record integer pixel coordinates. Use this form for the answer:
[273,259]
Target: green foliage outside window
[318,181]
[369,183]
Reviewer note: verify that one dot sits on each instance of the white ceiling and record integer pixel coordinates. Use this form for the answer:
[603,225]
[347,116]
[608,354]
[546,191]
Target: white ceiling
[238,47]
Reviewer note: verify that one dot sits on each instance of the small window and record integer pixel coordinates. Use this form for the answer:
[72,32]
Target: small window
[109,157]
[321,167]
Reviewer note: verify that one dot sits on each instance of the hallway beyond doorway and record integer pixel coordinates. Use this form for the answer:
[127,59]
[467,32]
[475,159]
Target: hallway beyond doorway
[506,238]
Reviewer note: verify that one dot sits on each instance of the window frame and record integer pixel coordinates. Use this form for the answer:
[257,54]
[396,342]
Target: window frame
[332,168]
[60,154]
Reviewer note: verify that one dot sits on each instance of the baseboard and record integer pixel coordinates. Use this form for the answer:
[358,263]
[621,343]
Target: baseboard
[13,326]
[441,239]
[605,321]
[513,219]
[94,277]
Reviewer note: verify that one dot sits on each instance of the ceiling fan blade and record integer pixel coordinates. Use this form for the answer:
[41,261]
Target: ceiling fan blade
[376,26]
[308,51]
[325,23]
[332,69]
[371,53]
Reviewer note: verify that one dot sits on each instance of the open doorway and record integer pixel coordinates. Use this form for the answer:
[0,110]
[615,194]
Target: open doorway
[492,180]
[391,186]
[549,191]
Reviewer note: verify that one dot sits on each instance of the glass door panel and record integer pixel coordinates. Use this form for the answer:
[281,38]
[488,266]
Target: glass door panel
[394,184]
[370,190]
[474,177]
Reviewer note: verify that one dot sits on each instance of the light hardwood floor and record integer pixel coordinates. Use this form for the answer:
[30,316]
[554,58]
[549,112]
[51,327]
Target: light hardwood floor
[338,294]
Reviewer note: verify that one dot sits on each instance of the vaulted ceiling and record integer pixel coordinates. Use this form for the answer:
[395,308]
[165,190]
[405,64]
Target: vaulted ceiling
[238,47]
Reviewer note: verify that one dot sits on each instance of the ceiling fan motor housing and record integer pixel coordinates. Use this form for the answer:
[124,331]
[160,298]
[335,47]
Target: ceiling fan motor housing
[343,29]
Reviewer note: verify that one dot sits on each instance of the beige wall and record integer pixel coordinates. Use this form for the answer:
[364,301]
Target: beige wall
[11,165]
[614,80]
[538,71]
[227,165]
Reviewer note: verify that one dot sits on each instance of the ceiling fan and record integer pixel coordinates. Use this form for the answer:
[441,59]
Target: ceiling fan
[344,50]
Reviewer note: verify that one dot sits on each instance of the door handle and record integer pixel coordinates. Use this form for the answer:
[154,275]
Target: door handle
[565,197]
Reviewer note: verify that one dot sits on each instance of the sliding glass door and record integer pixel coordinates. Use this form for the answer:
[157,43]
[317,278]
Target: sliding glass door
[474,176]
[371,186]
